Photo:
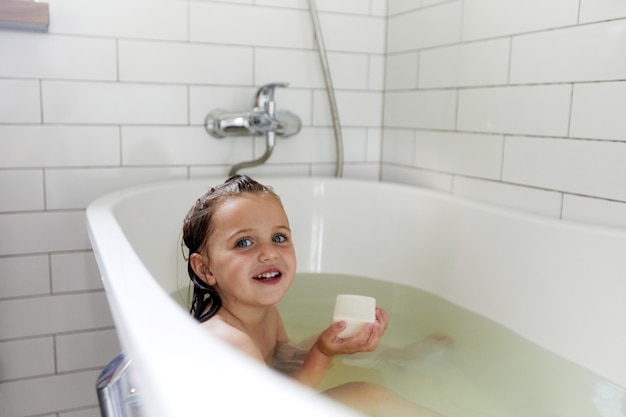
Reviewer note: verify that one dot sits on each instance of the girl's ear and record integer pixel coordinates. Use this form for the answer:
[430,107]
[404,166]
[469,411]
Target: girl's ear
[200,265]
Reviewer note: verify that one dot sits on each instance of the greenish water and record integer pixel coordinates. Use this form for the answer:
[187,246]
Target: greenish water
[487,371]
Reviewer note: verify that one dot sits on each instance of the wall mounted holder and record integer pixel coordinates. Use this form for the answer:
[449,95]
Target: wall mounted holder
[24,15]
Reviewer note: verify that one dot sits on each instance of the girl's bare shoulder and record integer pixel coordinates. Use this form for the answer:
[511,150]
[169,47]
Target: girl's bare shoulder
[233,336]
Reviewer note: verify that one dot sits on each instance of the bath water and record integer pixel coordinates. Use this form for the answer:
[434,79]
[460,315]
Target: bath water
[486,371]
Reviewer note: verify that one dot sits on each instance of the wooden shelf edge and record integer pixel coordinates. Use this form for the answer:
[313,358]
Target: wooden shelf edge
[24,15]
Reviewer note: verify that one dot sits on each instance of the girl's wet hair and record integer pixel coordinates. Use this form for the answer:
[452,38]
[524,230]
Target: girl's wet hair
[197,228]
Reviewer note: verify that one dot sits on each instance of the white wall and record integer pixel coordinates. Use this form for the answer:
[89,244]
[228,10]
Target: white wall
[519,103]
[116,94]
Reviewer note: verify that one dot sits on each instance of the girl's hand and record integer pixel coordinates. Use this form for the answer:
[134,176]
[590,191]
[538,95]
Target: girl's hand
[328,344]
[367,340]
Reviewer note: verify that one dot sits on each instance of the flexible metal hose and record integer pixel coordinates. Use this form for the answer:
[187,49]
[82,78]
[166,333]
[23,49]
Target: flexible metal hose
[329,88]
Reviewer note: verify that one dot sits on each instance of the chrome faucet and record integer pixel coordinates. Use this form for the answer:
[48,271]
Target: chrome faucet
[263,118]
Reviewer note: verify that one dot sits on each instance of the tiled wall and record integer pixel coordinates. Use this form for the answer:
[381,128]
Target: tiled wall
[115,95]
[520,103]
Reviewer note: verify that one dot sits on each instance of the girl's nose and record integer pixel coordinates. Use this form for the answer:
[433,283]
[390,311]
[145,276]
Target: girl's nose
[268,253]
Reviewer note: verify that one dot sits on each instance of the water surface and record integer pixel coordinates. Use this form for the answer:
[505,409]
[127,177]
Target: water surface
[488,371]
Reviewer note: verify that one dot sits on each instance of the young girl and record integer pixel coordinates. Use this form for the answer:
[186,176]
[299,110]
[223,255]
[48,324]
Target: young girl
[241,263]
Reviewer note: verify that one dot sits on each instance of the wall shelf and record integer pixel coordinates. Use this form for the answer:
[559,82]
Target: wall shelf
[24,15]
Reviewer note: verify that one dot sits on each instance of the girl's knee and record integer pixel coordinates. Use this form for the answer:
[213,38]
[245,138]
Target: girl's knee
[362,392]
[368,388]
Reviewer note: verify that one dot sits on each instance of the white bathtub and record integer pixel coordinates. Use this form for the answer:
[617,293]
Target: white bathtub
[561,285]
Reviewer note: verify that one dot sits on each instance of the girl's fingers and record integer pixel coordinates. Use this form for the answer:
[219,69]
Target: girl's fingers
[381,316]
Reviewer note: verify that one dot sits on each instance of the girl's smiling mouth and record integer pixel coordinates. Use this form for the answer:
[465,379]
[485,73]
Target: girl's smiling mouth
[268,277]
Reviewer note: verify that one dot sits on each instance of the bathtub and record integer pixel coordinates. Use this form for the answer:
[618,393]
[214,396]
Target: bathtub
[560,285]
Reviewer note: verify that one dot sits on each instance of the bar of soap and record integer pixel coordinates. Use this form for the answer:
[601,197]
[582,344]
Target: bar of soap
[356,311]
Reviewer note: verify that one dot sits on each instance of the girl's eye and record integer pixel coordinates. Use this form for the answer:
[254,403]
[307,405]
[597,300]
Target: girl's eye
[243,243]
[279,238]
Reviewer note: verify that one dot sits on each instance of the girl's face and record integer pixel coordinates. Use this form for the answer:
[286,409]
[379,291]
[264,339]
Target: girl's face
[251,258]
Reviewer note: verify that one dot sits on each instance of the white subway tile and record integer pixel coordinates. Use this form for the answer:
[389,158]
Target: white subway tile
[546,203]
[598,111]
[374,144]
[596,10]
[362,171]
[359,108]
[203,99]
[58,146]
[379,8]
[180,146]
[321,109]
[86,350]
[271,169]
[401,6]
[53,393]
[75,271]
[231,24]
[367,34]
[293,4]
[322,170]
[426,3]
[376,77]
[26,358]
[114,103]
[493,18]
[459,153]
[242,1]
[417,177]
[311,145]
[402,71]
[399,147]
[344,6]
[535,110]
[470,64]
[594,211]
[19,101]
[304,69]
[212,171]
[43,232]
[24,275]
[53,314]
[584,53]
[433,109]
[21,190]
[432,26]
[592,168]
[176,62]
[349,71]
[354,144]
[30,55]
[355,108]
[77,188]
[146,19]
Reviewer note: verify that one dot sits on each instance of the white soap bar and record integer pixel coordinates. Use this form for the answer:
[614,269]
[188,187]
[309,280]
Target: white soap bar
[356,311]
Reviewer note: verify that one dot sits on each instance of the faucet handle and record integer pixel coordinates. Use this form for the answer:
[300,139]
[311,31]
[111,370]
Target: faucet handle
[265,95]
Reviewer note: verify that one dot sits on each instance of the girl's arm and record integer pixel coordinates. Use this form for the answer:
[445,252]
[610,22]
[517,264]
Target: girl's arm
[317,361]
[327,345]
